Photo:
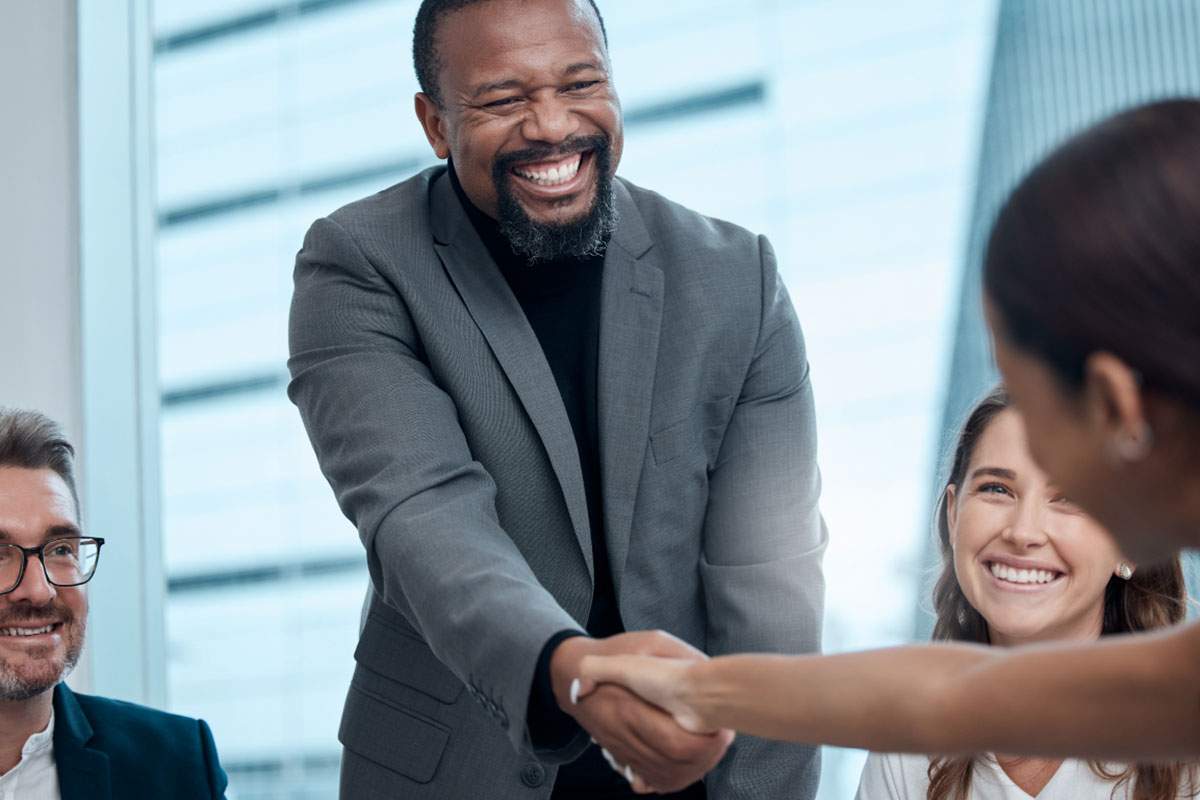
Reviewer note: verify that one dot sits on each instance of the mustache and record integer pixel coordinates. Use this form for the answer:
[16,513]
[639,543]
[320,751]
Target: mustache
[576,144]
[52,612]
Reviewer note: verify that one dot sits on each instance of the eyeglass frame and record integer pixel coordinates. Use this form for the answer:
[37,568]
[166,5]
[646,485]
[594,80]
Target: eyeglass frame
[40,552]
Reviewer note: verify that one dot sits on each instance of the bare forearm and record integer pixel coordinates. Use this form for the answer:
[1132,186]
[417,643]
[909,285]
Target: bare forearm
[1127,698]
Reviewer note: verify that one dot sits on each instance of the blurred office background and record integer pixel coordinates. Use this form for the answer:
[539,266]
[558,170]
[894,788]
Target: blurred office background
[871,141]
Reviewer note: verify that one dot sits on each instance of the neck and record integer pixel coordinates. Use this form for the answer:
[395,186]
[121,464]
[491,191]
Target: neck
[20,719]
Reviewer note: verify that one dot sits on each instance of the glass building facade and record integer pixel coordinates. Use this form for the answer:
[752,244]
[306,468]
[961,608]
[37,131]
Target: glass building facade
[872,142]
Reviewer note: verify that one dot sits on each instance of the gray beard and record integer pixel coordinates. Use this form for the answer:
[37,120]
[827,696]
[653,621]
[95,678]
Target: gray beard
[17,687]
[540,241]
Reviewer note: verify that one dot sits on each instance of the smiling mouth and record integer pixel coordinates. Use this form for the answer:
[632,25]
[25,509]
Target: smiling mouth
[20,632]
[1023,577]
[552,173]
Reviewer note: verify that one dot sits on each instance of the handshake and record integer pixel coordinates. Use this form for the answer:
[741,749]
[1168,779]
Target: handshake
[629,692]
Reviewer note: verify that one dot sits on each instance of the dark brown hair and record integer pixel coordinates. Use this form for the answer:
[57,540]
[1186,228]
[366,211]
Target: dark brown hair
[1098,249]
[30,440]
[1154,597]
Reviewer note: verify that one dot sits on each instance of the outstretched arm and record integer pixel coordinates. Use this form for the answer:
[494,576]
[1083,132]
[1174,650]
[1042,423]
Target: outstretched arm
[1129,697]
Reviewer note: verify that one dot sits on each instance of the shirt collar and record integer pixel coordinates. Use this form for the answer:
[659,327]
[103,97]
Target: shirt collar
[40,741]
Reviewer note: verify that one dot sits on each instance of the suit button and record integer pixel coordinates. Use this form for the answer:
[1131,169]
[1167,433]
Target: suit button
[533,775]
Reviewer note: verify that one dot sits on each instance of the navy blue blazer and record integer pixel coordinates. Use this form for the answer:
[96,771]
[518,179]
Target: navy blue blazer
[111,750]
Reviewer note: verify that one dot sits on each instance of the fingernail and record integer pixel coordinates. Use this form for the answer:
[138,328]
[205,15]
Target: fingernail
[574,692]
[612,762]
[629,776]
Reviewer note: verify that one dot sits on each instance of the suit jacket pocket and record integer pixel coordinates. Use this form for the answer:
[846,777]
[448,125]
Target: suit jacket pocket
[392,737]
[396,653]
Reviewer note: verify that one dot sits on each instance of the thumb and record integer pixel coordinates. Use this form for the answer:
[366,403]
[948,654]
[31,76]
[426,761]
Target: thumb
[690,721]
[594,670]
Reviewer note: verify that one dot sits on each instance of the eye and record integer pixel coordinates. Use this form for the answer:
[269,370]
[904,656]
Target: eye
[580,86]
[61,550]
[993,488]
[502,102]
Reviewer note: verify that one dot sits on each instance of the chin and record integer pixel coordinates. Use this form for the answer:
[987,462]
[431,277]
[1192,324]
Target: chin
[567,213]
[1016,625]
[22,684]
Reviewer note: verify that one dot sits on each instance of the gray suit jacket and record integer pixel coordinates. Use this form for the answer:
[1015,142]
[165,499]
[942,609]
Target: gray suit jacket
[437,421]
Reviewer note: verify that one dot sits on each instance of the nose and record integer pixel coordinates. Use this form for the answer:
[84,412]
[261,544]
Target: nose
[33,588]
[1026,529]
[549,120]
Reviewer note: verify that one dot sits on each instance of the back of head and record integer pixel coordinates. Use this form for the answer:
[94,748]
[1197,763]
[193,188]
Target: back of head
[1098,249]
[31,440]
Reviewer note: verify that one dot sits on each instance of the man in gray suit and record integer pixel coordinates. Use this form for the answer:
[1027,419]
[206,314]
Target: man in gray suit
[562,411]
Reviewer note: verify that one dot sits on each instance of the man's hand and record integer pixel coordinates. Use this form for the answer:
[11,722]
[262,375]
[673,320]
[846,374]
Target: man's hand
[663,756]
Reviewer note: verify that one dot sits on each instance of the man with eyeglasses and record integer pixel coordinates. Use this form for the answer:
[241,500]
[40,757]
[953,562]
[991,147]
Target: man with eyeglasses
[55,744]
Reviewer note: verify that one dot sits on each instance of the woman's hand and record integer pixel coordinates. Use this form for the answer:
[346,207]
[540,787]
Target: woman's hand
[664,682]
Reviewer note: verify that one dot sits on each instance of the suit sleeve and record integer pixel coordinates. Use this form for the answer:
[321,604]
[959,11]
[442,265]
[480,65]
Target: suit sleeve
[388,440]
[764,537]
[217,780]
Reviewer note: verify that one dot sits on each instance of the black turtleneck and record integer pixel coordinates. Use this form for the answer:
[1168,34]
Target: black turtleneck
[561,300]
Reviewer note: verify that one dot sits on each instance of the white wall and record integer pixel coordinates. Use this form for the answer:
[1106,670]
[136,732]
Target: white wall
[39,232]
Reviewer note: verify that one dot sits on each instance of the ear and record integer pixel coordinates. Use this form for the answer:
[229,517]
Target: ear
[1115,407]
[433,121]
[951,500]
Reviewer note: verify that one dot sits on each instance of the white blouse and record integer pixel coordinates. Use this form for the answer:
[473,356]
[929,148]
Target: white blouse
[888,776]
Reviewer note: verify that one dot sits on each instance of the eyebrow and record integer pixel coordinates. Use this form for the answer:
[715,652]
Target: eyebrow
[995,472]
[498,86]
[581,66]
[513,83]
[53,532]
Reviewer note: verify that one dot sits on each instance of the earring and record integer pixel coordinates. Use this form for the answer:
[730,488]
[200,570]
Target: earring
[1124,571]
[1133,447]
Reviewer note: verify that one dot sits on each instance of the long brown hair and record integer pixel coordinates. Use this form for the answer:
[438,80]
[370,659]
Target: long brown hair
[1154,597]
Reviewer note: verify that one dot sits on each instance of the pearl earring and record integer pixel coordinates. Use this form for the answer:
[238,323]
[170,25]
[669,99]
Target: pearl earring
[1124,571]
[1134,447]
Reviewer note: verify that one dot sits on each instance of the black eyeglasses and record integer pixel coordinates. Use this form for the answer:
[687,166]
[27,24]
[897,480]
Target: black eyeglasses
[67,561]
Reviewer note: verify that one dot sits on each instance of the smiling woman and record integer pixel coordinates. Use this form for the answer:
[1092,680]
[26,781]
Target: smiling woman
[1022,564]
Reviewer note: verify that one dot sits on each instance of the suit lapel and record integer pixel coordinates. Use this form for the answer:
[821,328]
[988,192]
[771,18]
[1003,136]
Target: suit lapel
[499,316]
[83,773]
[630,318]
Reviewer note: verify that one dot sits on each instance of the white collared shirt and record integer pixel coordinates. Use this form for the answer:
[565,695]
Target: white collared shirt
[906,777]
[35,777]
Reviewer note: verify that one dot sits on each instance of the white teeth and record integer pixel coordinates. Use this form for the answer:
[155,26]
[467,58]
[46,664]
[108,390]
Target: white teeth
[1012,575]
[555,175]
[25,631]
